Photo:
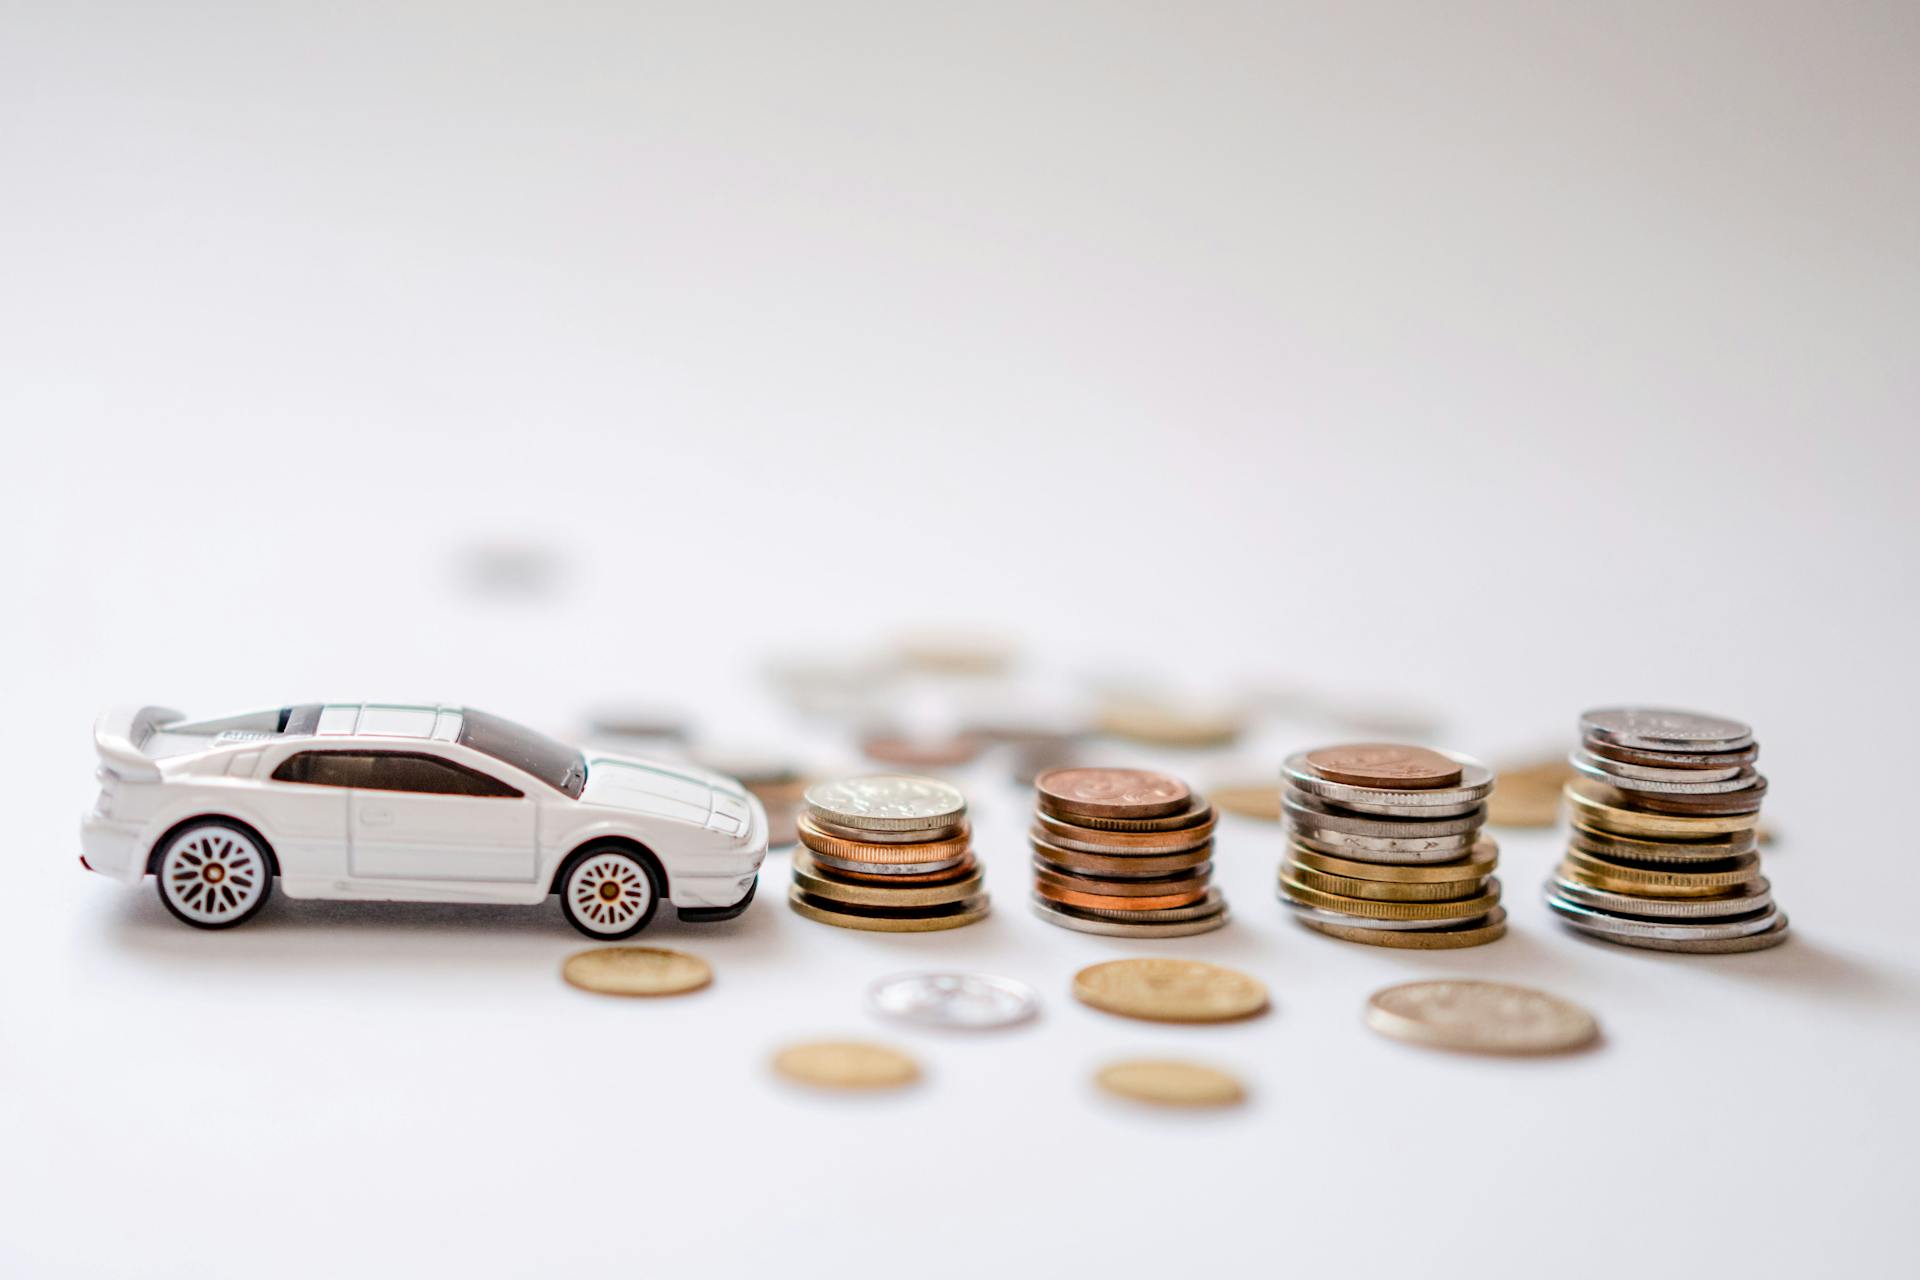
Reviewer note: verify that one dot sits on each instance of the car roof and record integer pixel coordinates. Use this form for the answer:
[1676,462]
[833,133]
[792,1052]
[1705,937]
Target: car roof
[418,721]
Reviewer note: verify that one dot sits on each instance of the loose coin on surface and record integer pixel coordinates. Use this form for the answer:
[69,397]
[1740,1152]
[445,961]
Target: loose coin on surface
[1663,729]
[1171,1084]
[970,1001]
[1163,724]
[1480,1017]
[907,751]
[1112,793]
[1259,801]
[1164,989]
[636,971]
[846,1064]
[886,802]
[1385,765]
[1528,795]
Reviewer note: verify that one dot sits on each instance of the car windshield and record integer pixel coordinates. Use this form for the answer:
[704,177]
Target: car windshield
[554,763]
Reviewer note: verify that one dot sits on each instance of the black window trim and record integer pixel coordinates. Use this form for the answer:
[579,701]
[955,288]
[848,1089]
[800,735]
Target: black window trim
[507,790]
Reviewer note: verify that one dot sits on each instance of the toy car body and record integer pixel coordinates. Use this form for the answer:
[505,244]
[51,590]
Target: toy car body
[417,803]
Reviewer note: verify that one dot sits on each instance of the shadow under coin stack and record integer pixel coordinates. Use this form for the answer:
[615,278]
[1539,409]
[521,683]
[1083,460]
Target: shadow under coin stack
[888,853]
[1662,854]
[1123,852]
[1384,847]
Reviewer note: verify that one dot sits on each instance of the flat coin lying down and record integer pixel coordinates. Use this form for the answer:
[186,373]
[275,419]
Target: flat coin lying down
[951,1001]
[846,1064]
[1165,989]
[1171,1084]
[1480,1017]
[636,971]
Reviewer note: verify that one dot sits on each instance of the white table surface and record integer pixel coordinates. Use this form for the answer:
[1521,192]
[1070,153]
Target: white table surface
[1482,361]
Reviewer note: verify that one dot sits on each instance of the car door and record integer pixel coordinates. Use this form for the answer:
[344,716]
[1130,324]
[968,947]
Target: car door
[418,816]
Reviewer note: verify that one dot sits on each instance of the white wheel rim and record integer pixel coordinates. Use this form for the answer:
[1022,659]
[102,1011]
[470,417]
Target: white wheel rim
[609,892]
[214,875]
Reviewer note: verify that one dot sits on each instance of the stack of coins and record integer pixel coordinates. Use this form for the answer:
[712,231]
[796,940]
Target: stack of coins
[1123,852]
[889,853]
[1384,847]
[1665,805]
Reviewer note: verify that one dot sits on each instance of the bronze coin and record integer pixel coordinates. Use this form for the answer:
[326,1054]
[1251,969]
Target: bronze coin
[1116,902]
[1147,887]
[1722,804]
[1112,793]
[810,864]
[846,850]
[1072,835]
[1125,866]
[1384,764]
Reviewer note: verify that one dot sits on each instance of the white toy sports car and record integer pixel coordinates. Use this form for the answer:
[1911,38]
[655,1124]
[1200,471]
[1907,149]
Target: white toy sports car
[410,803]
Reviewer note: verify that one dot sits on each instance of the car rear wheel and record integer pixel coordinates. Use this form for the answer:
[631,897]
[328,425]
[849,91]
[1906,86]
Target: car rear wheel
[609,892]
[214,874]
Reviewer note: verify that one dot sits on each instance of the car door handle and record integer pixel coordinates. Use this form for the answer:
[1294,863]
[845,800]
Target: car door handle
[376,817]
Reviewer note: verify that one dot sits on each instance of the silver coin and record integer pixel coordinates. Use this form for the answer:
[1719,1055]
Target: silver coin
[885,868]
[1696,946]
[887,802]
[1664,908]
[1384,850]
[1627,926]
[861,836]
[1315,812]
[1664,729]
[1591,766]
[953,1001]
[1207,906]
[1345,921]
[1068,918]
[1476,782]
[1586,761]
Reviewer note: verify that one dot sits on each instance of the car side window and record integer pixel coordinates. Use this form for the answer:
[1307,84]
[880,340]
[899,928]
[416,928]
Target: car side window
[389,771]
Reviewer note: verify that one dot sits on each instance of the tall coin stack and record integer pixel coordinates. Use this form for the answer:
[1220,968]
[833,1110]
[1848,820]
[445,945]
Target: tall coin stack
[1123,852]
[889,853]
[1384,847]
[1662,853]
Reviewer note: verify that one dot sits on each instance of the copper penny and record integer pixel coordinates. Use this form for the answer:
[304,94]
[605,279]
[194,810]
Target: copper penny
[922,753]
[865,851]
[1112,793]
[1151,887]
[1113,902]
[1122,865]
[1384,764]
[1675,759]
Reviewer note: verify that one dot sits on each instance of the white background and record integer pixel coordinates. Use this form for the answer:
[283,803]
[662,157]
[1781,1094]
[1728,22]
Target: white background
[1494,360]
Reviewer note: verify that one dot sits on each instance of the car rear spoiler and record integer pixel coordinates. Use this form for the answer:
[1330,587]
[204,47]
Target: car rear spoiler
[120,736]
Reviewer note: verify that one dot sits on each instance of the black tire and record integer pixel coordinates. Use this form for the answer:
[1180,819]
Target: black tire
[245,863]
[588,875]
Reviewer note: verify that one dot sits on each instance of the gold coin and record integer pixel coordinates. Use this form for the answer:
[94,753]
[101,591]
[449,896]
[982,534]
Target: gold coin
[1589,810]
[1382,890]
[1259,800]
[1171,1084]
[880,920]
[1617,878]
[810,878]
[1417,939]
[1365,908]
[1528,795]
[1160,724]
[952,845]
[636,971]
[1480,1017]
[1608,844]
[1479,863]
[1164,989]
[846,1064]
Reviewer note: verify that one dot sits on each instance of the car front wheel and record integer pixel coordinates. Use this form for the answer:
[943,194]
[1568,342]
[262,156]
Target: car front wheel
[609,892]
[214,874]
